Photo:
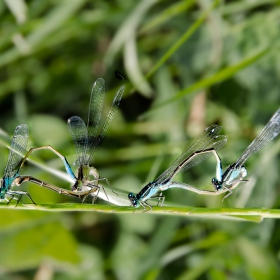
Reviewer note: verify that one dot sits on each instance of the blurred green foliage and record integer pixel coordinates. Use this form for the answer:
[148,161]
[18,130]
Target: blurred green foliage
[206,62]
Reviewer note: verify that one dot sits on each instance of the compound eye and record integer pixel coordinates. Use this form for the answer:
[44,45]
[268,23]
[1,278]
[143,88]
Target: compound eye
[133,199]
[131,196]
[216,184]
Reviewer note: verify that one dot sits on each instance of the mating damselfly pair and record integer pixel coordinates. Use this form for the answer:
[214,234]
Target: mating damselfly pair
[205,145]
[87,138]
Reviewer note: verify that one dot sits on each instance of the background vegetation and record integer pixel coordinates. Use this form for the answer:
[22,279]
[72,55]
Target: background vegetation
[189,64]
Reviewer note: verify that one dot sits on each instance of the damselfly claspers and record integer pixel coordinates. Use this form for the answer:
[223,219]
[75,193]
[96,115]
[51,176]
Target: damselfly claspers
[236,172]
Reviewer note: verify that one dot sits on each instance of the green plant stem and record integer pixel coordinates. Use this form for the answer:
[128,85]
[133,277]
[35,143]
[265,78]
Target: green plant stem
[182,39]
[250,214]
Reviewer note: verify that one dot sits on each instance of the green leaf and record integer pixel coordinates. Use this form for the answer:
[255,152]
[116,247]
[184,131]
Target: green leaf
[222,75]
[167,14]
[27,243]
[18,8]
[49,24]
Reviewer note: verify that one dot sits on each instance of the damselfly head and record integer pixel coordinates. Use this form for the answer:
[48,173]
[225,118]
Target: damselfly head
[217,185]
[133,199]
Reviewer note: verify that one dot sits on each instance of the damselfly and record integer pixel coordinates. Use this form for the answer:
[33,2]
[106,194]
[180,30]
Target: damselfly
[17,149]
[207,143]
[86,139]
[236,172]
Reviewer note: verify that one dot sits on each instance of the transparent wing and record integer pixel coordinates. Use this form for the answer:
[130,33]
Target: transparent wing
[17,150]
[116,102]
[269,132]
[79,134]
[217,143]
[95,109]
[207,140]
